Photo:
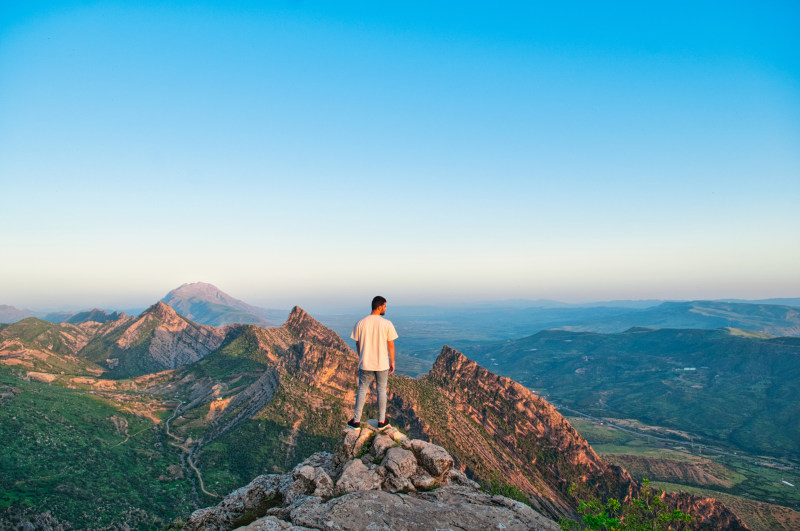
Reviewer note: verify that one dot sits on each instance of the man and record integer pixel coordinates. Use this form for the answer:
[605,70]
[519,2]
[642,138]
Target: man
[374,337]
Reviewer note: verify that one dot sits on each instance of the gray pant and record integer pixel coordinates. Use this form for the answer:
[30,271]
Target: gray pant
[364,380]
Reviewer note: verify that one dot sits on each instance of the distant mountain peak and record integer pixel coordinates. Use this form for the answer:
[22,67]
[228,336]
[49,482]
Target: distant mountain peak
[205,303]
[200,290]
[96,315]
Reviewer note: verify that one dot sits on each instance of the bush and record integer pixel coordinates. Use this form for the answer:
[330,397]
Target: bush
[645,512]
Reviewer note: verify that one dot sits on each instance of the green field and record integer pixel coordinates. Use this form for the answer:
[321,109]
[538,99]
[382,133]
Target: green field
[752,485]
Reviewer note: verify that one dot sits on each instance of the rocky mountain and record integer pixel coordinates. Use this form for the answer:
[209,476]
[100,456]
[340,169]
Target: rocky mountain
[373,480]
[206,304]
[114,345]
[156,340]
[493,427]
[213,408]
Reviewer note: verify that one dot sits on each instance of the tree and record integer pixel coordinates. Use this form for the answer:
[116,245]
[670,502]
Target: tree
[645,512]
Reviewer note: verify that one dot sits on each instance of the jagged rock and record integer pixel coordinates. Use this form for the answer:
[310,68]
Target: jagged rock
[458,477]
[400,465]
[357,476]
[414,488]
[436,460]
[254,499]
[351,446]
[381,444]
[314,480]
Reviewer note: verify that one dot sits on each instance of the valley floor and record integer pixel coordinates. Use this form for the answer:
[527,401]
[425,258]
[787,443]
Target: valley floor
[755,487]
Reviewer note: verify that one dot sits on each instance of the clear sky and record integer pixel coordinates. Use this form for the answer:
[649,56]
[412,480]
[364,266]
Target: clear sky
[318,153]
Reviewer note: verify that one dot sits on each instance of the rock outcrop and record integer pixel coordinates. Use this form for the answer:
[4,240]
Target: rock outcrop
[156,340]
[373,480]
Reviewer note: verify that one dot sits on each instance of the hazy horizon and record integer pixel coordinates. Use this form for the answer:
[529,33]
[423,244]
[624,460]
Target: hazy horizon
[351,305]
[317,154]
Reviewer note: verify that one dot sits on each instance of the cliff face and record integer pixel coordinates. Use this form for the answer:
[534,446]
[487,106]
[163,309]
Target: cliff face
[708,513]
[318,356]
[500,431]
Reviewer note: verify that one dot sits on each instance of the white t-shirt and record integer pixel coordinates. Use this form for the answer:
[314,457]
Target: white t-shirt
[372,333]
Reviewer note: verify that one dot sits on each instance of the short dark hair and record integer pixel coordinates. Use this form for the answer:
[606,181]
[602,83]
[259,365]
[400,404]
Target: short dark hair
[377,302]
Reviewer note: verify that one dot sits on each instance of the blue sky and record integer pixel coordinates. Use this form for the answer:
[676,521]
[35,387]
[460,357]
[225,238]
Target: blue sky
[318,153]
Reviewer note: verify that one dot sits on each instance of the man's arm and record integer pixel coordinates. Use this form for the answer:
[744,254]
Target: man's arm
[391,356]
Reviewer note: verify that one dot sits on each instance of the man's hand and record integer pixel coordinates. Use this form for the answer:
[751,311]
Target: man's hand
[391,368]
[390,344]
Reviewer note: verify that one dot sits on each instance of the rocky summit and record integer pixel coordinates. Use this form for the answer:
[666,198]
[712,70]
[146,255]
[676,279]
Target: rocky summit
[373,480]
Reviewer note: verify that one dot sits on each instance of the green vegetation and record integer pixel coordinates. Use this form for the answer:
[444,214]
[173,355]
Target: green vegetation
[726,389]
[83,460]
[297,422]
[737,479]
[496,487]
[647,511]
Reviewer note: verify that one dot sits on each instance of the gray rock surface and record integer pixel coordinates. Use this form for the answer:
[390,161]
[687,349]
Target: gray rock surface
[450,507]
[374,480]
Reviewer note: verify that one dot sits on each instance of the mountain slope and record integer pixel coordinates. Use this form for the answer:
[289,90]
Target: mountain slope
[157,339]
[206,304]
[48,349]
[729,388]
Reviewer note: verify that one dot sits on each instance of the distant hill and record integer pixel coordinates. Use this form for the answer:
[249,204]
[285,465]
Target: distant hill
[9,314]
[424,329]
[206,304]
[96,316]
[720,384]
[772,319]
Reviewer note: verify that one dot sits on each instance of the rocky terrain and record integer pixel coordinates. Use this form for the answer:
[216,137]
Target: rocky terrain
[373,480]
[280,395]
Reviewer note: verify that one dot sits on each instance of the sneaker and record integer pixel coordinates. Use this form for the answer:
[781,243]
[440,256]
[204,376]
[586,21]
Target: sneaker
[353,424]
[383,425]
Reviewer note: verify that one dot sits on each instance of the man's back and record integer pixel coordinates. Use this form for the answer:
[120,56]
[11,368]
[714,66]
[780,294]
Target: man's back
[373,333]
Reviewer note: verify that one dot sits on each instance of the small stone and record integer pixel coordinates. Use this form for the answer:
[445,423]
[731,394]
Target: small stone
[423,481]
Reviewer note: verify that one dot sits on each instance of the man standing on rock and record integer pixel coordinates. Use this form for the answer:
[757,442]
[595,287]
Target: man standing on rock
[374,337]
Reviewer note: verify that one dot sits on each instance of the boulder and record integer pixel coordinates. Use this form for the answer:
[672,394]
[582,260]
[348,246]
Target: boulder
[435,460]
[356,476]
